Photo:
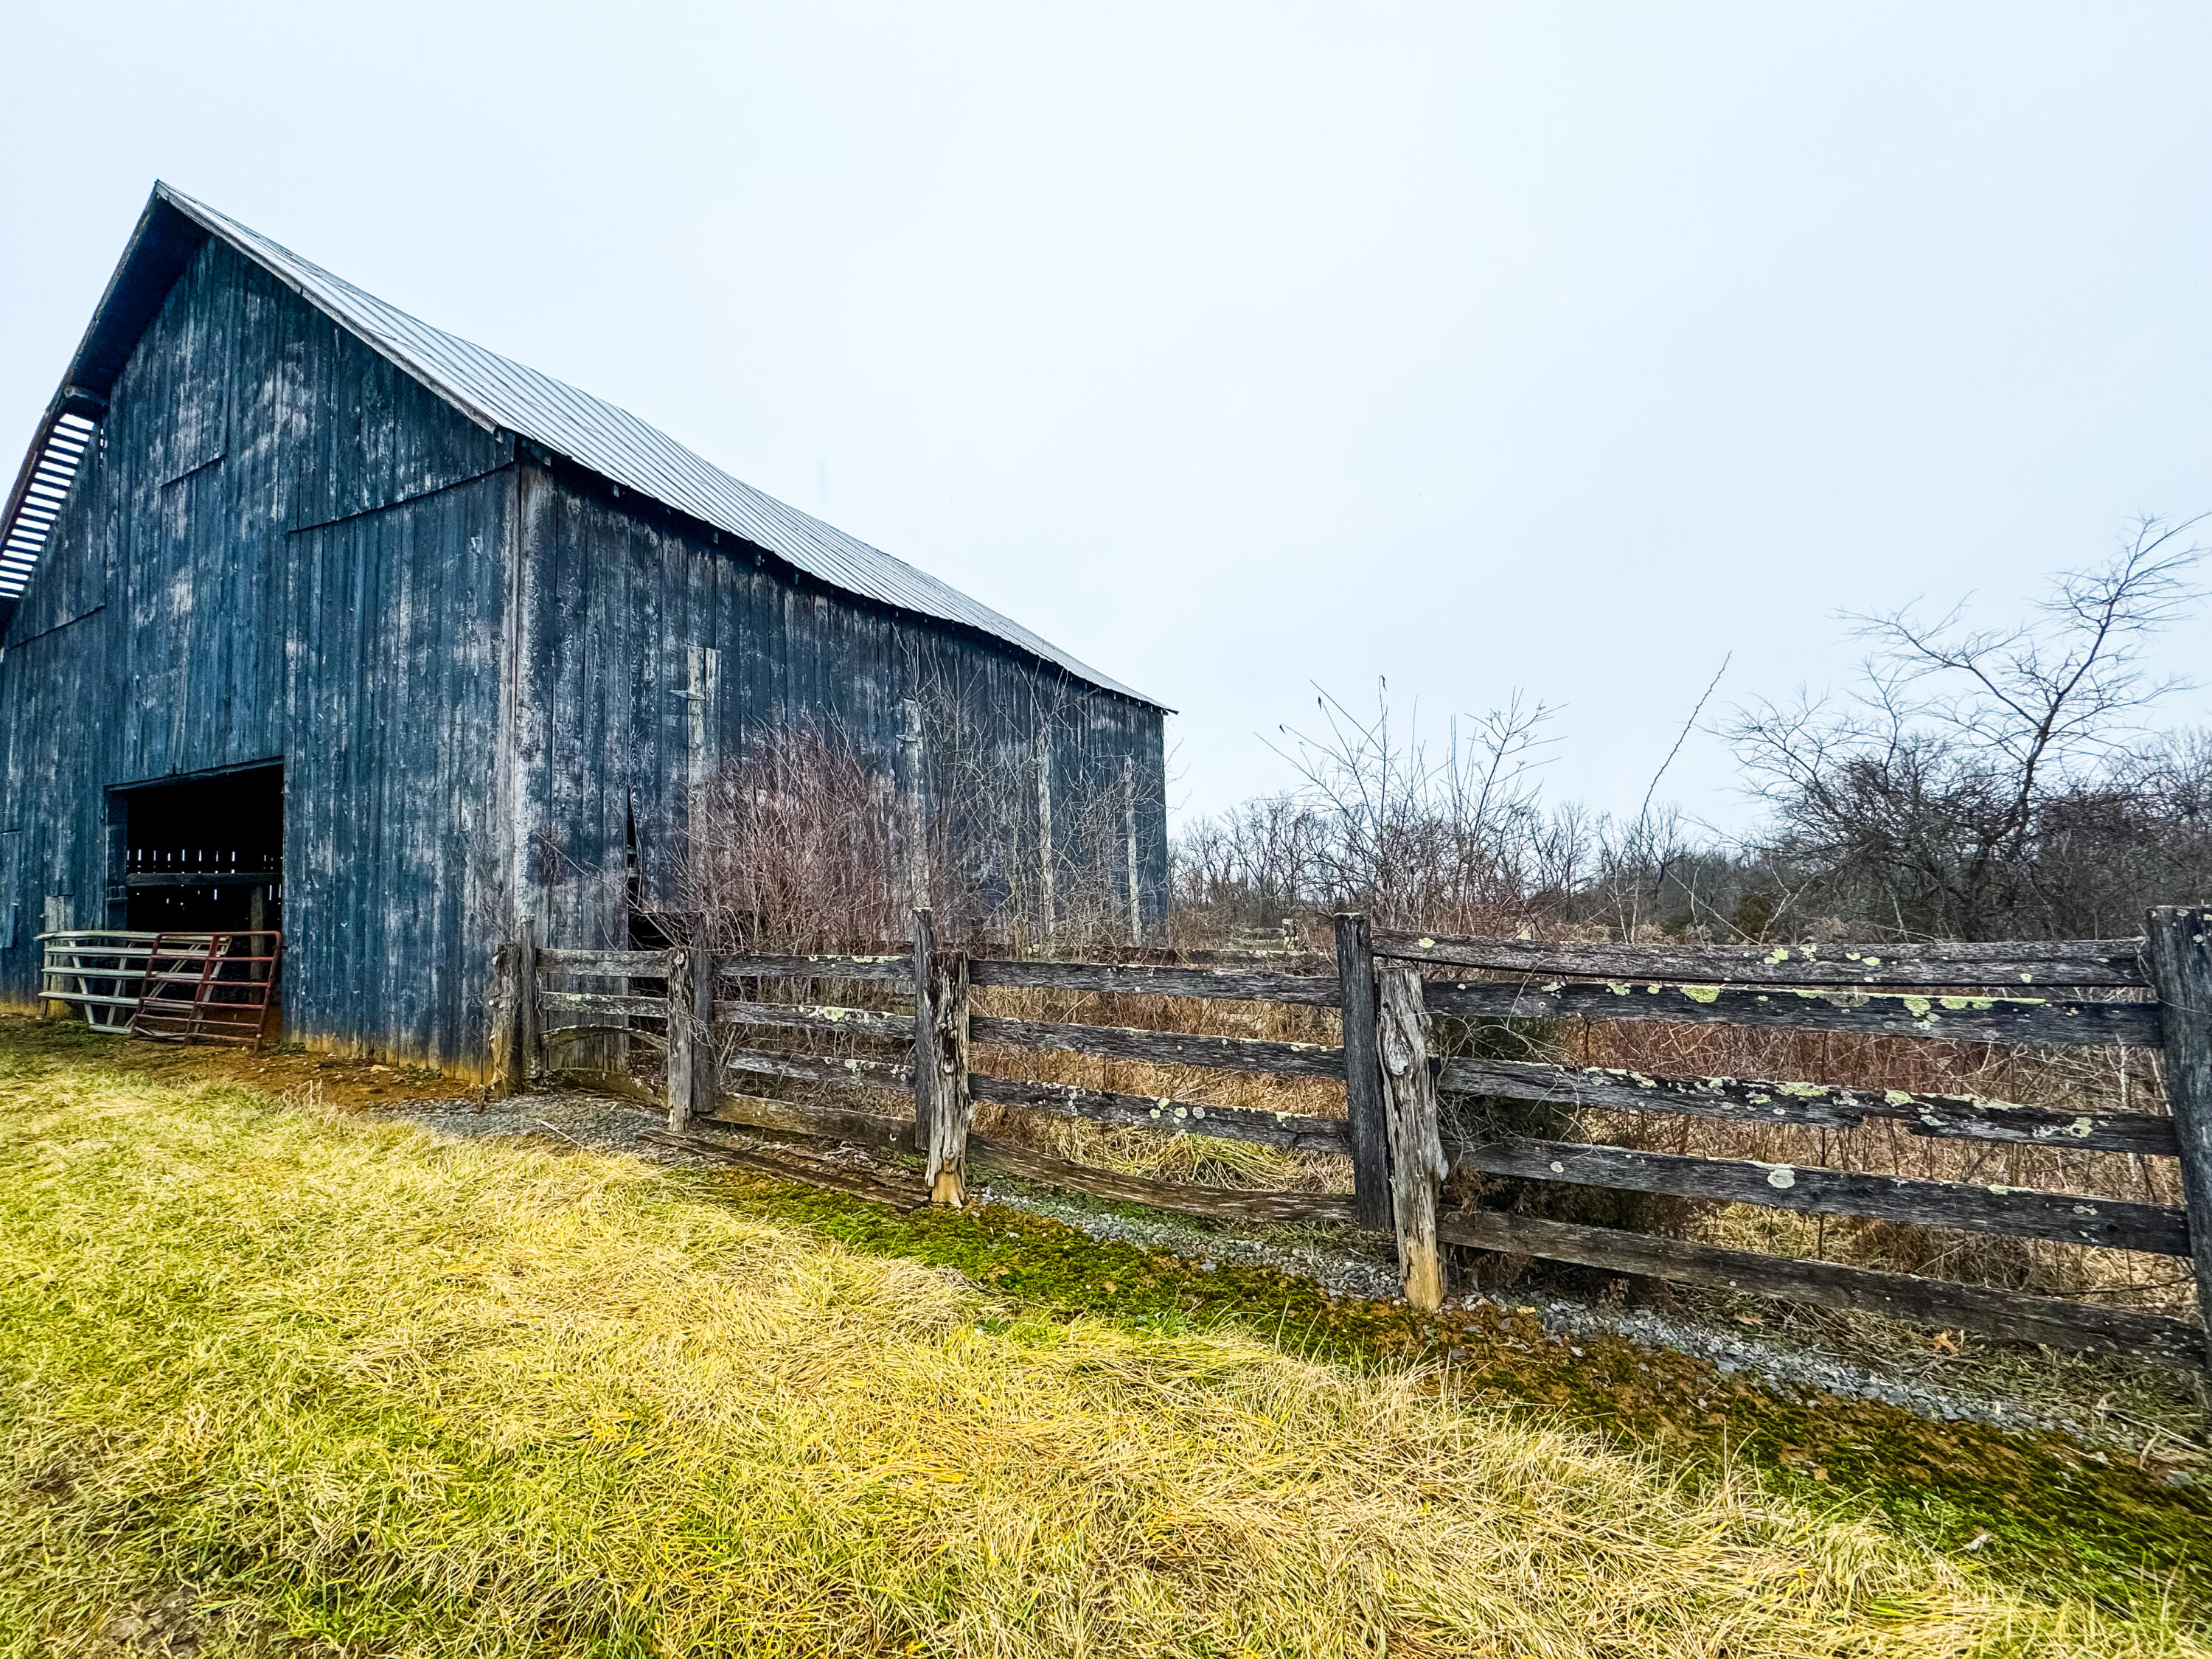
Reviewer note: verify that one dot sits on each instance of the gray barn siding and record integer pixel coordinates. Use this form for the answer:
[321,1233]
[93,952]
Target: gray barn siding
[289,562]
[635,593]
[476,669]
[398,727]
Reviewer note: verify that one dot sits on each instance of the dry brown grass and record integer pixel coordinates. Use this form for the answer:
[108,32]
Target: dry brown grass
[2081,1080]
[1204,1159]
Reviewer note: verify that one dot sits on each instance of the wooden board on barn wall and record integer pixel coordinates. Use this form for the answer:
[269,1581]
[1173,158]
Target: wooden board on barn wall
[289,551]
[388,807]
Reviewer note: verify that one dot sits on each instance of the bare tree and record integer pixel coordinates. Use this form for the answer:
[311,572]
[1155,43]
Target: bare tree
[1927,800]
[1249,869]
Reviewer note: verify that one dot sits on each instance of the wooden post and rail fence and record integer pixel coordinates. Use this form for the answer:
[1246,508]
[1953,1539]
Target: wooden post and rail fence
[1391,988]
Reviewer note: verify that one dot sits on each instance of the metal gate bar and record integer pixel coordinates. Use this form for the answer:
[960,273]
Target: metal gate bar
[99,970]
[209,987]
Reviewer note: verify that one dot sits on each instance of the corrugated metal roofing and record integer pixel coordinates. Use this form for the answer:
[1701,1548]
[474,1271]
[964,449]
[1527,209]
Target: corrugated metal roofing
[616,445]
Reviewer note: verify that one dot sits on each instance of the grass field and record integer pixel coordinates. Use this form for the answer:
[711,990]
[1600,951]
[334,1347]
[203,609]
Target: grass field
[357,1386]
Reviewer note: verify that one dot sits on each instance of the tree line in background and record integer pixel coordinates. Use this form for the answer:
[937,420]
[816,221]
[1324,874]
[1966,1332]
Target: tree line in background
[1972,783]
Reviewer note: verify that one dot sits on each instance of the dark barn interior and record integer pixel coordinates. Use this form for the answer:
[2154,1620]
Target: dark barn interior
[202,854]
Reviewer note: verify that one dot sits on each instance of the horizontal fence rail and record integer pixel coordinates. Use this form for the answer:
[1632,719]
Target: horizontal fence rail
[2006,1020]
[603,1002]
[1295,1131]
[812,1068]
[634,963]
[898,970]
[2006,1314]
[651,965]
[1961,1117]
[1390,994]
[851,1021]
[2098,961]
[2062,1217]
[1215,984]
[1162,1047]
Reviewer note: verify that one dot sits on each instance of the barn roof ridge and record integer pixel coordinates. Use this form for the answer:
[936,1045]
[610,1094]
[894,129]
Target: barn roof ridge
[496,391]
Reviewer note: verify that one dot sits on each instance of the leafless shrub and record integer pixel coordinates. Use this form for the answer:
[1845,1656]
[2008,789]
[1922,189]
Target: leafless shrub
[1455,836]
[812,844]
[794,851]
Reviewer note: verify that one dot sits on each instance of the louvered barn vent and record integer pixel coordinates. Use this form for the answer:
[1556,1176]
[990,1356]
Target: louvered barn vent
[44,492]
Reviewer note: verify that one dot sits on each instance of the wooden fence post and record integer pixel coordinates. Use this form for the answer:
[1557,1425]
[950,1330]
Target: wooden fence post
[1363,1074]
[692,1064]
[529,1051]
[506,996]
[2178,951]
[941,1101]
[1417,1154]
[925,1074]
[514,1014]
[683,1041]
[707,1063]
[947,1054]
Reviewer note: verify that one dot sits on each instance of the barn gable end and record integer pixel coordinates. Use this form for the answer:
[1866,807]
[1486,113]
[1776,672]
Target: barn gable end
[281,550]
[487,670]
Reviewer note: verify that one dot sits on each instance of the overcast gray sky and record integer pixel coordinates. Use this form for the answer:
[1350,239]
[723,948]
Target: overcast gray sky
[1235,347]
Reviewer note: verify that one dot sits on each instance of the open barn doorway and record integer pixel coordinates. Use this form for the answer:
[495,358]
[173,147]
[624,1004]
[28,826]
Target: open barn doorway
[202,854]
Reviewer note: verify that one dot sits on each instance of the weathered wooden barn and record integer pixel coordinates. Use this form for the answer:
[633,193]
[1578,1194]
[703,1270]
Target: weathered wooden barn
[318,613]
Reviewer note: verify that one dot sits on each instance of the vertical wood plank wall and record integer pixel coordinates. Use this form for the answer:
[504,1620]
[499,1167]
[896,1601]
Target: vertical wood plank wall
[284,548]
[633,602]
[280,548]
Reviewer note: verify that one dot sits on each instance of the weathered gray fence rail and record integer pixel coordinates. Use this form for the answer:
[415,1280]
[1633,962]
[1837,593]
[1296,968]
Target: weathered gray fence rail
[2057,961]
[1745,1100]
[2155,992]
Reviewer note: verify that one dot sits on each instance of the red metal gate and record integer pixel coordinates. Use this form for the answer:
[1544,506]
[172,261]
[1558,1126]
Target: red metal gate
[209,987]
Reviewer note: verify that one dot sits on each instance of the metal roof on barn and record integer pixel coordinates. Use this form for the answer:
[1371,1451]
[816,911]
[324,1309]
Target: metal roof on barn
[501,393]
